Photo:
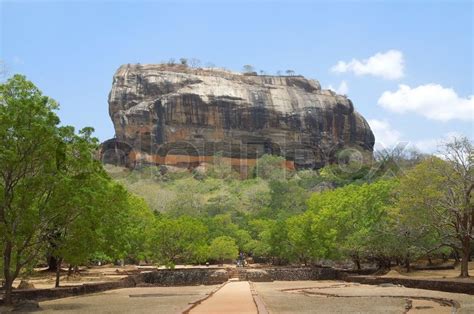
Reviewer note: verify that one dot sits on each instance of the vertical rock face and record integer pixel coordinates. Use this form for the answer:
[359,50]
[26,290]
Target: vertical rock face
[175,115]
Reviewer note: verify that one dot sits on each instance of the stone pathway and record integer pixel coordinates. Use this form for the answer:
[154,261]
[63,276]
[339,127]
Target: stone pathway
[233,297]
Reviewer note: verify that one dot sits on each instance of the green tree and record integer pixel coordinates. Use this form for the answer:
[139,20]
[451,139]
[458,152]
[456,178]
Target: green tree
[440,190]
[79,178]
[114,216]
[351,215]
[178,240]
[277,241]
[29,145]
[223,248]
[413,236]
[301,237]
[287,198]
[140,222]
[346,173]
[271,167]
[221,168]
[260,231]
[78,237]
[221,204]
[221,225]
[307,240]
[244,240]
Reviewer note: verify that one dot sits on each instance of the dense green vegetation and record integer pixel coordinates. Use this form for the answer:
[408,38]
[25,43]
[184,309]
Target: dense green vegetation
[58,203]
[403,208]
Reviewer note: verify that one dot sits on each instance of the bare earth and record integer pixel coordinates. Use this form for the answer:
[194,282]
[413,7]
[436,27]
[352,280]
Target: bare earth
[130,300]
[398,272]
[342,297]
[278,296]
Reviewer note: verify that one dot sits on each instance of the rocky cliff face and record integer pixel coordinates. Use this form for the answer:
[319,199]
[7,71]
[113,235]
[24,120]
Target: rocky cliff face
[181,116]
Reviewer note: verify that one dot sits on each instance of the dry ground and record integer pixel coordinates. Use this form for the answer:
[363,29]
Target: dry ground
[342,297]
[279,297]
[431,274]
[130,300]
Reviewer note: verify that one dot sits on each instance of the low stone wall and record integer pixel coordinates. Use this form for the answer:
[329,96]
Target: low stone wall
[288,274]
[68,291]
[342,274]
[304,273]
[185,277]
[446,285]
[255,275]
[435,267]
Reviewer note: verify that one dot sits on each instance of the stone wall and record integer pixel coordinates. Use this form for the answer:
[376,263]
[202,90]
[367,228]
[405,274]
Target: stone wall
[288,274]
[185,277]
[68,291]
[447,285]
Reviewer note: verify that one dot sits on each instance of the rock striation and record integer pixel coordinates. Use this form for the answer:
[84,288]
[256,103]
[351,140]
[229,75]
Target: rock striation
[181,116]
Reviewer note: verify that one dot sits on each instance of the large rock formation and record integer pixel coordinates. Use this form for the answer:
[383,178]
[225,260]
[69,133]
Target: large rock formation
[172,114]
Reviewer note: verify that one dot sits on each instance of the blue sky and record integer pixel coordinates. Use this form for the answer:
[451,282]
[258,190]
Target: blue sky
[71,51]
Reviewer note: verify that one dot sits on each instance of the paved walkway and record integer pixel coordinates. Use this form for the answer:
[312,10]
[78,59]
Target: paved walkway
[233,297]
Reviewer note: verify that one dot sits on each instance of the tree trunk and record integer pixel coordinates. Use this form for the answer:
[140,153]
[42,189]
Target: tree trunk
[58,272]
[8,291]
[384,264]
[69,270]
[456,257]
[357,262]
[407,264]
[7,253]
[52,263]
[466,250]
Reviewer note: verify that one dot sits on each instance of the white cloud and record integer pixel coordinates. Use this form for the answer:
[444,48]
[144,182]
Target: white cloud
[388,65]
[434,144]
[342,89]
[432,101]
[385,135]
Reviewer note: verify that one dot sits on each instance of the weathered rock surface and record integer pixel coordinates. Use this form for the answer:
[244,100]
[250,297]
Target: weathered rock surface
[180,116]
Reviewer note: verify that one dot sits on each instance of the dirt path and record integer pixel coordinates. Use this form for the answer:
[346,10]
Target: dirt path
[233,297]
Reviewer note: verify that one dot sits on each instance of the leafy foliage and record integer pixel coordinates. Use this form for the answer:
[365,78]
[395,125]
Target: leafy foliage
[223,248]
[178,240]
